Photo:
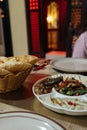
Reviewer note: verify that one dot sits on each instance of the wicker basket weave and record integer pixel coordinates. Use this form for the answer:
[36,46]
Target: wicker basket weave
[12,77]
[13,81]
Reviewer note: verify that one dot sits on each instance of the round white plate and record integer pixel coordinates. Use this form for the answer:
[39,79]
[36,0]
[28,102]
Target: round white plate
[27,121]
[74,65]
[46,100]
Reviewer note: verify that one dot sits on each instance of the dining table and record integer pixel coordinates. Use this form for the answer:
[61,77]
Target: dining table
[23,99]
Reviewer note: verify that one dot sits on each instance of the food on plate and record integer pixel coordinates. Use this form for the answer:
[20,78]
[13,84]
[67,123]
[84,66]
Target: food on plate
[71,87]
[67,86]
[70,103]
[46,85]
[52,81]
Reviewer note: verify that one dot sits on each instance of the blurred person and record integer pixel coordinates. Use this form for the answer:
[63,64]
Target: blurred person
[80,46]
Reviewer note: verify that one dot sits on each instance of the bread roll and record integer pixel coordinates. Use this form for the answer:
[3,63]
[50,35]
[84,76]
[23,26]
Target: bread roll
[3,59]
[16,64]
[15,67]
[27,58]
[3,73]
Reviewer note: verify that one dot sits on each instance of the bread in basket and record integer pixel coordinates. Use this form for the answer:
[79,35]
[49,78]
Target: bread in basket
[14,70]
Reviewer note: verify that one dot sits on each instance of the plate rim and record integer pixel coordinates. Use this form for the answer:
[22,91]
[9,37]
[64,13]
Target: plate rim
[43,117]
[65,70]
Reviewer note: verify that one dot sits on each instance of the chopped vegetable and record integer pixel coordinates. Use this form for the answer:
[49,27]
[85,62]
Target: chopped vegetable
[67,86]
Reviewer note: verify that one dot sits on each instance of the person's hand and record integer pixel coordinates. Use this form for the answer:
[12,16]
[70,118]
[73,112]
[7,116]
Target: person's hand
[74,39]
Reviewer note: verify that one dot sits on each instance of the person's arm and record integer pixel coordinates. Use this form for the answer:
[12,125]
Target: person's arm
[78,50]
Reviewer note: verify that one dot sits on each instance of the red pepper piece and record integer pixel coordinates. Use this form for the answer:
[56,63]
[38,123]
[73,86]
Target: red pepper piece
[39,67]
[71,103]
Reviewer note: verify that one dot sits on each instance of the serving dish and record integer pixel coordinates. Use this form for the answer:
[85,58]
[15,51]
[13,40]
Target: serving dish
[72,65]
[27,121]
[72,107]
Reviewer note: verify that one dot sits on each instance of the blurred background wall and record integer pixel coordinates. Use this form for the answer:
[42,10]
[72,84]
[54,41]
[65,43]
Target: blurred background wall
[18,27]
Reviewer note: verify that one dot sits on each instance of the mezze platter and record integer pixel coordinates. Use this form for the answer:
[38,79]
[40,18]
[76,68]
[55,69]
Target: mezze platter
[63,93]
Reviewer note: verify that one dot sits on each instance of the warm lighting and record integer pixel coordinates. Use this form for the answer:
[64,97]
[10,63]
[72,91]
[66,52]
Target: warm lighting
[52,16]
[52,25]
[49,19]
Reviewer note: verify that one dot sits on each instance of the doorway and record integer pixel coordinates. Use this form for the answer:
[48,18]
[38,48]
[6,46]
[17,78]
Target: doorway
[56,25]
[46,24]
[52,26]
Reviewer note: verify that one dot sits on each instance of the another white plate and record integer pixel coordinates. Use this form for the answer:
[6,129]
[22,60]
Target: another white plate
[46,100]
[74,65]
[27,121]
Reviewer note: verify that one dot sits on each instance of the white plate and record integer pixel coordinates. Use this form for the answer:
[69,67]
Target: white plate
[46,101]
[74,65]
[27,121]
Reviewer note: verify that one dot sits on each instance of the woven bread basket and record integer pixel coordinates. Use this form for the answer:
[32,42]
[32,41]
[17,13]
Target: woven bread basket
[13,73]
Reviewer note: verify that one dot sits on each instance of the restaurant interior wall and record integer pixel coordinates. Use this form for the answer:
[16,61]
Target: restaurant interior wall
[18,27]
